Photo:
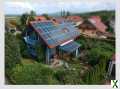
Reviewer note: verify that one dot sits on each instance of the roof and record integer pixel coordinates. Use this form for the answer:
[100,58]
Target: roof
[59,20]
[40,18]
[70,47]
[96,21]
[54,35]
[87,25]
[74,18]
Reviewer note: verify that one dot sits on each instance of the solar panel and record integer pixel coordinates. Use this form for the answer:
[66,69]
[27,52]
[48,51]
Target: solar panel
[55,35]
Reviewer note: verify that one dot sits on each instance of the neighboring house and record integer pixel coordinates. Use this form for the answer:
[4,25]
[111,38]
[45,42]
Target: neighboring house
[58,39]
[77,20]
[93,27]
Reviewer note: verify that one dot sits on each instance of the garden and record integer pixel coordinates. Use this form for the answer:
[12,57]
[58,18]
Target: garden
[88,68]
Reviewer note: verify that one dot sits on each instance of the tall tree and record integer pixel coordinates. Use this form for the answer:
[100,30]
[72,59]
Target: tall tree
[26,18]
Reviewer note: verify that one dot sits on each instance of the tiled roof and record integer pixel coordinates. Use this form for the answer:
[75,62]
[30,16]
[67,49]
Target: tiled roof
[59,20]
[74,18]
[96,21]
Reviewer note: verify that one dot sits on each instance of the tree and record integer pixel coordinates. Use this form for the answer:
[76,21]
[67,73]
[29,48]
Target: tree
[46,16]
[12,51]
[31,17]
[26,18]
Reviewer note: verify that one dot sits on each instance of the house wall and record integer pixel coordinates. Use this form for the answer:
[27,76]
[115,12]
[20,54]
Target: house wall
[89,32]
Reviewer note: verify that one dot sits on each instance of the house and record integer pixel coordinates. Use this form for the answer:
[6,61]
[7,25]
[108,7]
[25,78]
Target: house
[58,40]
[93,27]
[77,20]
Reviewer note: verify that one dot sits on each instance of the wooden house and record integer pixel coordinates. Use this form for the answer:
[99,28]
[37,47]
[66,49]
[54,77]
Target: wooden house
[57,40]
[77,20]
[93,27]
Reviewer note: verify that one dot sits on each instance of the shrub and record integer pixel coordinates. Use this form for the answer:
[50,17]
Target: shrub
[71,77]
[23,46]
[12,51]
[97,74]
[40,50]
[32,74]
[100,50]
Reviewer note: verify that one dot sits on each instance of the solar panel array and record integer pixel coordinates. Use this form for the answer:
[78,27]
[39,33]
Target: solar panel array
[55,35]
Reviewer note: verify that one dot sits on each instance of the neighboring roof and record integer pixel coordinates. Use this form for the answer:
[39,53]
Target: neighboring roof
[40,18]
[54,35]
[74,18]
[96,21]
[59,20]
[70,47]
[87,25]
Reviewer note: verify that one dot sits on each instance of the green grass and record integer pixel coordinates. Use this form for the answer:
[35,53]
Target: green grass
[28,61]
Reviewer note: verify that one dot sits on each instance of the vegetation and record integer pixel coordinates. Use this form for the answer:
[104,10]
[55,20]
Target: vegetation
[25,19]
[12,51]
[96,49]
[23,47]
[32,74]
[46,16]
[65,13]
[97,74]
[40,50]
[22,70]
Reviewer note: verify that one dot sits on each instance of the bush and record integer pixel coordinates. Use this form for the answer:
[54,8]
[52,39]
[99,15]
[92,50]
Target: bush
[23,46]
[12,51]
[32,74]
[40,50]
[69,77]
[97,74]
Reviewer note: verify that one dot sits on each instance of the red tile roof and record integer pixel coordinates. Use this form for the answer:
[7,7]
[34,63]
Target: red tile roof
[74,18]
[96,21]
[58,20]
[40,18]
